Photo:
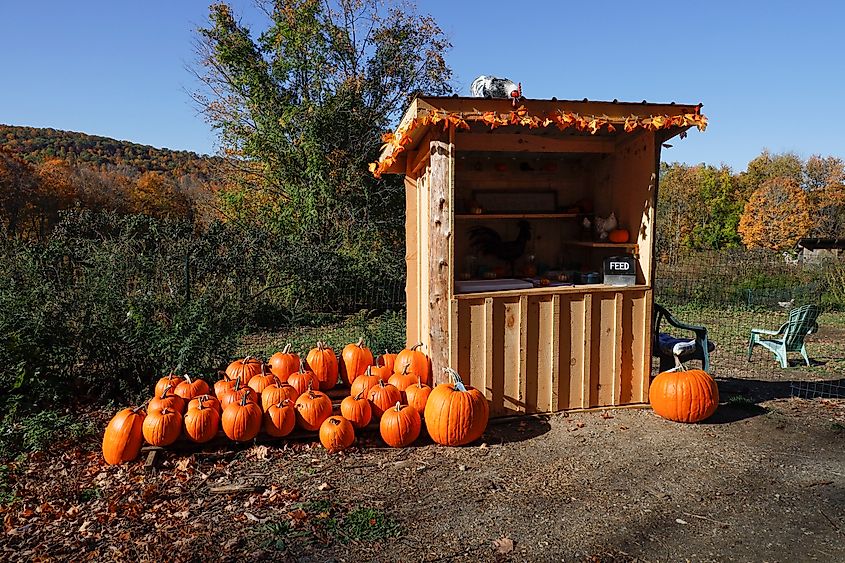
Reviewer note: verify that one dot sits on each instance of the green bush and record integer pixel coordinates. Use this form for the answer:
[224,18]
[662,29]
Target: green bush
[36,432]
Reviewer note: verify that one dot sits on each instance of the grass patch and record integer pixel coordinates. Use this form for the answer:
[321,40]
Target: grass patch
[369,524]
[7,491]
[741,402]
[39,431]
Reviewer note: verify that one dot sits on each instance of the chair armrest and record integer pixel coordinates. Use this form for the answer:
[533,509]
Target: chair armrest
[770,332]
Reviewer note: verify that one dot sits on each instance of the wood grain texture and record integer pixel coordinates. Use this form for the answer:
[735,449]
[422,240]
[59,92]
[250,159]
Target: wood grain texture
[439,255]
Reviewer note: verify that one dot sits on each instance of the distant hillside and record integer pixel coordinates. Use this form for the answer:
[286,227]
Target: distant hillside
[36,145]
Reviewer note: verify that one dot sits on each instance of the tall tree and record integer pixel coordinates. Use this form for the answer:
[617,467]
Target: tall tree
[776,215]
[18,189]
[301,106]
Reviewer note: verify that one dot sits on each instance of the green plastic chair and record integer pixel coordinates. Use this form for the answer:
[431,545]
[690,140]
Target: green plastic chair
[789,337]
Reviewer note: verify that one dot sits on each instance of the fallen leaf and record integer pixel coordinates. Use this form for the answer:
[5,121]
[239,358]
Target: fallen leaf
[605,415]
[503,545]
[261,452]
[679,521]
[324,487]
[182,464]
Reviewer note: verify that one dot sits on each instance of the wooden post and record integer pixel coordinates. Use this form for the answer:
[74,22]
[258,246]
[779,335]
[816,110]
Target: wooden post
[439,247]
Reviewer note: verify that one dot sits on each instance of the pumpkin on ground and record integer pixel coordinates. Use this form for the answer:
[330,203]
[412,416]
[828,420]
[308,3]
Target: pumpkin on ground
[122,440]
[456,414]
[323,363]
[191,388]
[201,423]
[400,426]
[278,392]
[262,380]
[364,383]
[246,369]
[356,358]
[206,401]
[684,396]
[224,385]
[241,421]
[387,360]
[356,410]
[303,380]
[336,434]
[415,362]
[168,399]
[403,380]
[284,363]
[417,395]
[238,392]
[172,380]
[280,418]
[382,397]
[312,408]
[162,426]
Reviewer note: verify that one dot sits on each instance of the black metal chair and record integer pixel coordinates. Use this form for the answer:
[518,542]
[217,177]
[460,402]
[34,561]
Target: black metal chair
[663,344]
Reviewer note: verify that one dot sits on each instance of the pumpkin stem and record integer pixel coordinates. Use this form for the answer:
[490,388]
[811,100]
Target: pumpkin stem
[459,383]
[417,345]
[419,383]
[334,421]
[301,365]
[398,406]
[382,362]
[187,377]
[237,383]
[167,388]
[244,396]
[360,342]
[358,396]
[286,349]
[406,368]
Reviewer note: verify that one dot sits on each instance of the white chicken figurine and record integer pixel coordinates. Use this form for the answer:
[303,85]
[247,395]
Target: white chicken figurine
[493,87]
[605,225]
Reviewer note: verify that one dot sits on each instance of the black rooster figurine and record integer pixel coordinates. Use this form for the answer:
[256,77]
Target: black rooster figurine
[488,241]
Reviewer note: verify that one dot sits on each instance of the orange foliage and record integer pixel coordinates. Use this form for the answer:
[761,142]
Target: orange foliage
[776,215]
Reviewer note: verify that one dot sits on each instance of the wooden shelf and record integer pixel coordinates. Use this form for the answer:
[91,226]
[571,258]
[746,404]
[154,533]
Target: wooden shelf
[517,215]
[625,245]
[580,288]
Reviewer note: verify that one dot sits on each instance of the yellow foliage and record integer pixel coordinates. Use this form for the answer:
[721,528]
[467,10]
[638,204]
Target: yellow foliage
[776,215]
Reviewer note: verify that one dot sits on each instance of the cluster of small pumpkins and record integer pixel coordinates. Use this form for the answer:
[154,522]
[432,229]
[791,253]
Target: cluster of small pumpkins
[287,391]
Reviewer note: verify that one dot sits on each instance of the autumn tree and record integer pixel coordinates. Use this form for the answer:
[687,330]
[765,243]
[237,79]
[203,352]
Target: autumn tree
[301,105]
[824,179]
[18,189]
[769,166]
[776,216]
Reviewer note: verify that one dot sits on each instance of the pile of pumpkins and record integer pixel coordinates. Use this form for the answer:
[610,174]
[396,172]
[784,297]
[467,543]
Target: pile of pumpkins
[288,391]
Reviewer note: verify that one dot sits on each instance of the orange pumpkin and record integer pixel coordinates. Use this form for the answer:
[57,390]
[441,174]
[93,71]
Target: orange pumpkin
[162,426]
[261,381]
[336,434]
[356,359]
[382,397]
[280,418]
[387,360]
[206,401]
[191,388]
[303,380]
[363,383]
[415,362]
[122,440]
[278,392]
[322,361]
[456,414]
[237,393]
[312,408]
[172,380]
[224,385]
[400,426]
[168,399]
[242,420]
[284,363]
[201,423]
[684,396]
[356,410]
[381,369]
[417,395]
[403,380]
[618,236]
[246,369]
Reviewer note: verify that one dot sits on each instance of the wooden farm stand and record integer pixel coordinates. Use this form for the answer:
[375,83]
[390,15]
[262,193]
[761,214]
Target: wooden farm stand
[547,348]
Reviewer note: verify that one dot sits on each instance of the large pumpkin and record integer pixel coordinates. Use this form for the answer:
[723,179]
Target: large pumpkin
[417,395]
[162,426]
[336,434]
[172,380]
[684,396]
[400,426]
[363,383]
[168,399]
[122,440]
[284,363]
[241,421]
[280,418]
[456,414]
[382,397]
[414,362]
[201,423]
[246,369]
[356,410]
[312,408]
[356,358]
[322,361]
[191,388]
[278,392]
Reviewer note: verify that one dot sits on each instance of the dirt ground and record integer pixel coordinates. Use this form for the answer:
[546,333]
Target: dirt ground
[757,482]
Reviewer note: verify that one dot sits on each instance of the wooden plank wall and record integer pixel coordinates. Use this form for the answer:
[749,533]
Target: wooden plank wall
[544,353]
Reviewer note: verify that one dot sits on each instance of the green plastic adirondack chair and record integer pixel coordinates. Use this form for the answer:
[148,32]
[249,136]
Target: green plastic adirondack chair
[789,337]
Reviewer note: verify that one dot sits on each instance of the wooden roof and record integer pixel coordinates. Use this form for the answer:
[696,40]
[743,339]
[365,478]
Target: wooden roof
[549,118]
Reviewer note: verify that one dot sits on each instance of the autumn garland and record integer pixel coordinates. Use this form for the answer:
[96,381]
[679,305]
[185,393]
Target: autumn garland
[561,119]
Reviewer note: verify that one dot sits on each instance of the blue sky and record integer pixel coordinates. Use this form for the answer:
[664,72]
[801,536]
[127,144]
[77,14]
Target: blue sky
[770,74]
